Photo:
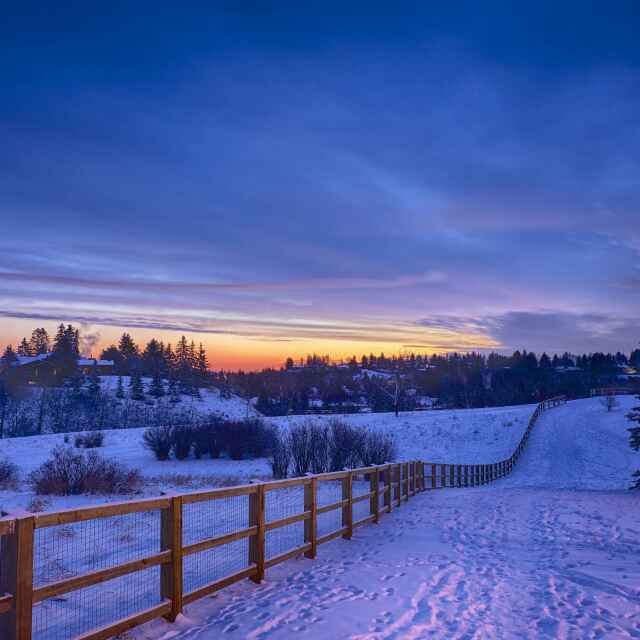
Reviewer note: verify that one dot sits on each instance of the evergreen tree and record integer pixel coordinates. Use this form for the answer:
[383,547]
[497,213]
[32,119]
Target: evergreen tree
[153,358]
[66,350]
[157,388]
[634,439]
[24,349]
[94,382]
[545,362]
[8,358]
[120,389]
[174,390]
[202,366]
[137,389]
[39,342]
[129,354]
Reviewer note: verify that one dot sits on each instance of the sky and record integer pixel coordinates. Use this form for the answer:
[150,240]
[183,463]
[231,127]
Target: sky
[280,178]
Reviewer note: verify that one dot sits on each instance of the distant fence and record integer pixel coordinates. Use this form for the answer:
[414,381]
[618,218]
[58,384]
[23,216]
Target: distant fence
[95,572]
[612,391]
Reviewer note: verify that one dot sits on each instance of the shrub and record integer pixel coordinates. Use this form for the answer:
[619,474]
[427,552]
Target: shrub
[181,441]
[69,472]
[250,437]
[299,443]
[158,440]
[345,445]
[280,458]
[319,442]
[89,440]
[377,448]
[8,474]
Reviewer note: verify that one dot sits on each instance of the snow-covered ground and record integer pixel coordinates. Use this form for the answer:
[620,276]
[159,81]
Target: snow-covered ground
[553,551]
[210,401]
[462,436]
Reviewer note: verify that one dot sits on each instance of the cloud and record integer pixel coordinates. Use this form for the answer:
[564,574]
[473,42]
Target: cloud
[547,330]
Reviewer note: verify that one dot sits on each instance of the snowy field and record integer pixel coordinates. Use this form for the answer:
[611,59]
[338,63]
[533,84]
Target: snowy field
[553,551]
[461,436]
[549,552]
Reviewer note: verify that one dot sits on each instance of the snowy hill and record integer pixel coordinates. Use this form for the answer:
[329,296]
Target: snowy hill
[211,400]
[529,556]
[578,445]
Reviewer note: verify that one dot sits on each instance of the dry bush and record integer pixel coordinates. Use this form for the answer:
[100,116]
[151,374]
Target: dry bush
[181,441]
[8,474]
[69,472]
[159,440]
[377,448]
[89,440]
[345,445]
[280,459]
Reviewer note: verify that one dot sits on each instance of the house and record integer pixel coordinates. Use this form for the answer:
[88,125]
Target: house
[44,370]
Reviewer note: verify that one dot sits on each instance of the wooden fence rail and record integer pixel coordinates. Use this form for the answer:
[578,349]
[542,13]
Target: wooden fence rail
[349,499]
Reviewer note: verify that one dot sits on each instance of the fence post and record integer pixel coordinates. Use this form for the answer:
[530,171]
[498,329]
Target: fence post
[434,479]
[257,542]
[388,489]
[398,484]
[171,572]
[407,479]
[311,523]
[443,475]
[412,478]
[452,475]
[374,501]
[347,509]
[17,579]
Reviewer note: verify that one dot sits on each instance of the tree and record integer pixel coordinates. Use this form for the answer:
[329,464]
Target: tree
[9,357]
[66,350]
[153,358]
[129,354]
[202,366]
[609,401]
[120,389]
[137,390]
[634,439]
[24,349]
[94,382]
[157,388]
[39,342]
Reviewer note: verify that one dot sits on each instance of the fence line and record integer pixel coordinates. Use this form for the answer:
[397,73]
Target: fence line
[612,391]
[54,566]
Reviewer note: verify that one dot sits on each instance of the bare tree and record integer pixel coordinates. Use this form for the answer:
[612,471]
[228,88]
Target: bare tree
[609,401]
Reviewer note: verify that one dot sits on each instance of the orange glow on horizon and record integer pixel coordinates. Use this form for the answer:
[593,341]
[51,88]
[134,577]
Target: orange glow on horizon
[231,352]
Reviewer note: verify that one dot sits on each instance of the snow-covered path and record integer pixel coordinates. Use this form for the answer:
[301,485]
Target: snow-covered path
[527,557]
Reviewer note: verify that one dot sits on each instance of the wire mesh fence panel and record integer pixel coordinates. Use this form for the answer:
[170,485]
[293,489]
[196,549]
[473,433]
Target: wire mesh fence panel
[284,539]
[279,504]
[73,549]
[211,519]
[70,615]
[282,503]
[329,492]
[205,567]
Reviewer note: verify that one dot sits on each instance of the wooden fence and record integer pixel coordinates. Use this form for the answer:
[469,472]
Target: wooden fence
[190,545]
[612,391]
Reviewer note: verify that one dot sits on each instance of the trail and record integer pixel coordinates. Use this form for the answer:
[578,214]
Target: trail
[530,556]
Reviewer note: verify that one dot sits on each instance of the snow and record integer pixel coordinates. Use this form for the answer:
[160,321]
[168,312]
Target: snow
[549,552]
[464,436]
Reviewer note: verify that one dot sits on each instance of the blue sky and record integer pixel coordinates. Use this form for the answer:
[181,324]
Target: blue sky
[276,179]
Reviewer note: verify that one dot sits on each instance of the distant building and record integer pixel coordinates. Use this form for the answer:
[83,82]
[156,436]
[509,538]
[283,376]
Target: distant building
[43,369]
